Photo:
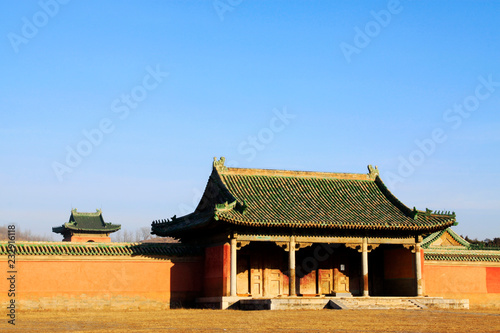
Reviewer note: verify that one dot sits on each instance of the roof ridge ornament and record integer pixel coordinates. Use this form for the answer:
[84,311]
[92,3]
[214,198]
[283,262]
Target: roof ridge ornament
[219,165]
[373,172]
[242,207]
[415,213]
[428,212]
[225,206]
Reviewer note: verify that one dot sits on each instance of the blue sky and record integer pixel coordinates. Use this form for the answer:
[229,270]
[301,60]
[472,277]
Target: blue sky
[122,105]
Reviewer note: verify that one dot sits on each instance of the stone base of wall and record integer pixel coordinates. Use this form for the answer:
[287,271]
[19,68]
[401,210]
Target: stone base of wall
[476,300]
[219,303]
[105,302]
[443,303]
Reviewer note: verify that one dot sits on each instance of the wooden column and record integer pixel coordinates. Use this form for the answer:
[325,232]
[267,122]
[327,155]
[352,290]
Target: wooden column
[364,262]
[291,266]
[418,270]
[233,267]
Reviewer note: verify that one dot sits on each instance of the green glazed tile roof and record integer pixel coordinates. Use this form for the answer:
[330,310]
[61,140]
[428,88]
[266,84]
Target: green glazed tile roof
[99,249]
[276,198]
[463,251]
[462,255]
[87,222]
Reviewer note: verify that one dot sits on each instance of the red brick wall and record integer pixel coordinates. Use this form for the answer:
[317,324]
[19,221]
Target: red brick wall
[217,271]
[54,282]
[493,279]
[478,283]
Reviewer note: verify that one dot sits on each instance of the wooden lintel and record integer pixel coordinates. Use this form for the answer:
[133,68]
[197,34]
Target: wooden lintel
[410,240]
[263,238]
[328,240]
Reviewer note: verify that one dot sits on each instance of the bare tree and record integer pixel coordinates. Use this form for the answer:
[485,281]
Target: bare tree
[142,234]
[145,233]
[27,235]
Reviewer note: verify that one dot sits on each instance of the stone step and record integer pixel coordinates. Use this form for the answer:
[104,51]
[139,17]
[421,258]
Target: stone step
[375,303]
[283,304]
[317,303]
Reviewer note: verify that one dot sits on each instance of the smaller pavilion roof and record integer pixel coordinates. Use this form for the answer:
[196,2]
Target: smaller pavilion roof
[444,238]
[447,246]
[87,222]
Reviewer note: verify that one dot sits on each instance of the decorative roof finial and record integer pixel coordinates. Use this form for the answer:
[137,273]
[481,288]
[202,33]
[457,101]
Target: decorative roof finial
[219,165]
[373,172]
[415,213]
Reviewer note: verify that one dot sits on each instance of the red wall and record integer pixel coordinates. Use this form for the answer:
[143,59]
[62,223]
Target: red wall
[493,279]
[217,271]
[54,282]
[480,284]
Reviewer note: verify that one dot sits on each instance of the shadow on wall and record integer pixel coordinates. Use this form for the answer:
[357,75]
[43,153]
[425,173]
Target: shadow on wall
[186,283]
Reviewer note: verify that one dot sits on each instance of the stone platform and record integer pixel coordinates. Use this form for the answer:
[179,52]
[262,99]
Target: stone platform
[339,303]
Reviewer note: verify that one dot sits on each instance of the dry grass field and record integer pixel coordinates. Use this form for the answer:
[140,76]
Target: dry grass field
[258,321]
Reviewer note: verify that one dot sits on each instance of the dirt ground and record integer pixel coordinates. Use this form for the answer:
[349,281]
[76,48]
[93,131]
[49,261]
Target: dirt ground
[258,321]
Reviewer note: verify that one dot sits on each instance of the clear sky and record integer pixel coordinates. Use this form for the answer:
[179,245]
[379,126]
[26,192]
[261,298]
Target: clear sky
[122,105]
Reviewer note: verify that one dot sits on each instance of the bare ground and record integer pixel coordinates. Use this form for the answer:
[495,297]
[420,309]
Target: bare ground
[183,320]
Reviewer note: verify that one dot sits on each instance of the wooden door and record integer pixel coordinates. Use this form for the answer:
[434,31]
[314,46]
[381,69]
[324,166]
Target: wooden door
[341,280]
[256,278]
[273,263]
[325,281]
[243,276]
[275,282]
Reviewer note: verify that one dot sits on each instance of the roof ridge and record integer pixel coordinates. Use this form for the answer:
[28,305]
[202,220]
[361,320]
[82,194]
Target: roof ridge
[293,173]
[96,213]
[223,170]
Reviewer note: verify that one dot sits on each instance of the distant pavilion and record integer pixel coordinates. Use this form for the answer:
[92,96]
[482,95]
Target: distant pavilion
[86,227]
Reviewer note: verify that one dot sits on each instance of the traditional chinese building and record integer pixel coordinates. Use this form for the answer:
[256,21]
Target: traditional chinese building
[86,227]
[273,233]
[265,239]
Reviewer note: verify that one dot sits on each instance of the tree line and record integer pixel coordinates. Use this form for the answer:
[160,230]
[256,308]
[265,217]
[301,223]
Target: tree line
[483,244]
[139,235]
[25,235]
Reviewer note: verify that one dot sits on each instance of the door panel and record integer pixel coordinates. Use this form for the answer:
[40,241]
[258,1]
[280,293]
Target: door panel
[325,281]
[256,278]
[275,282]
[243,277]
[341,281]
